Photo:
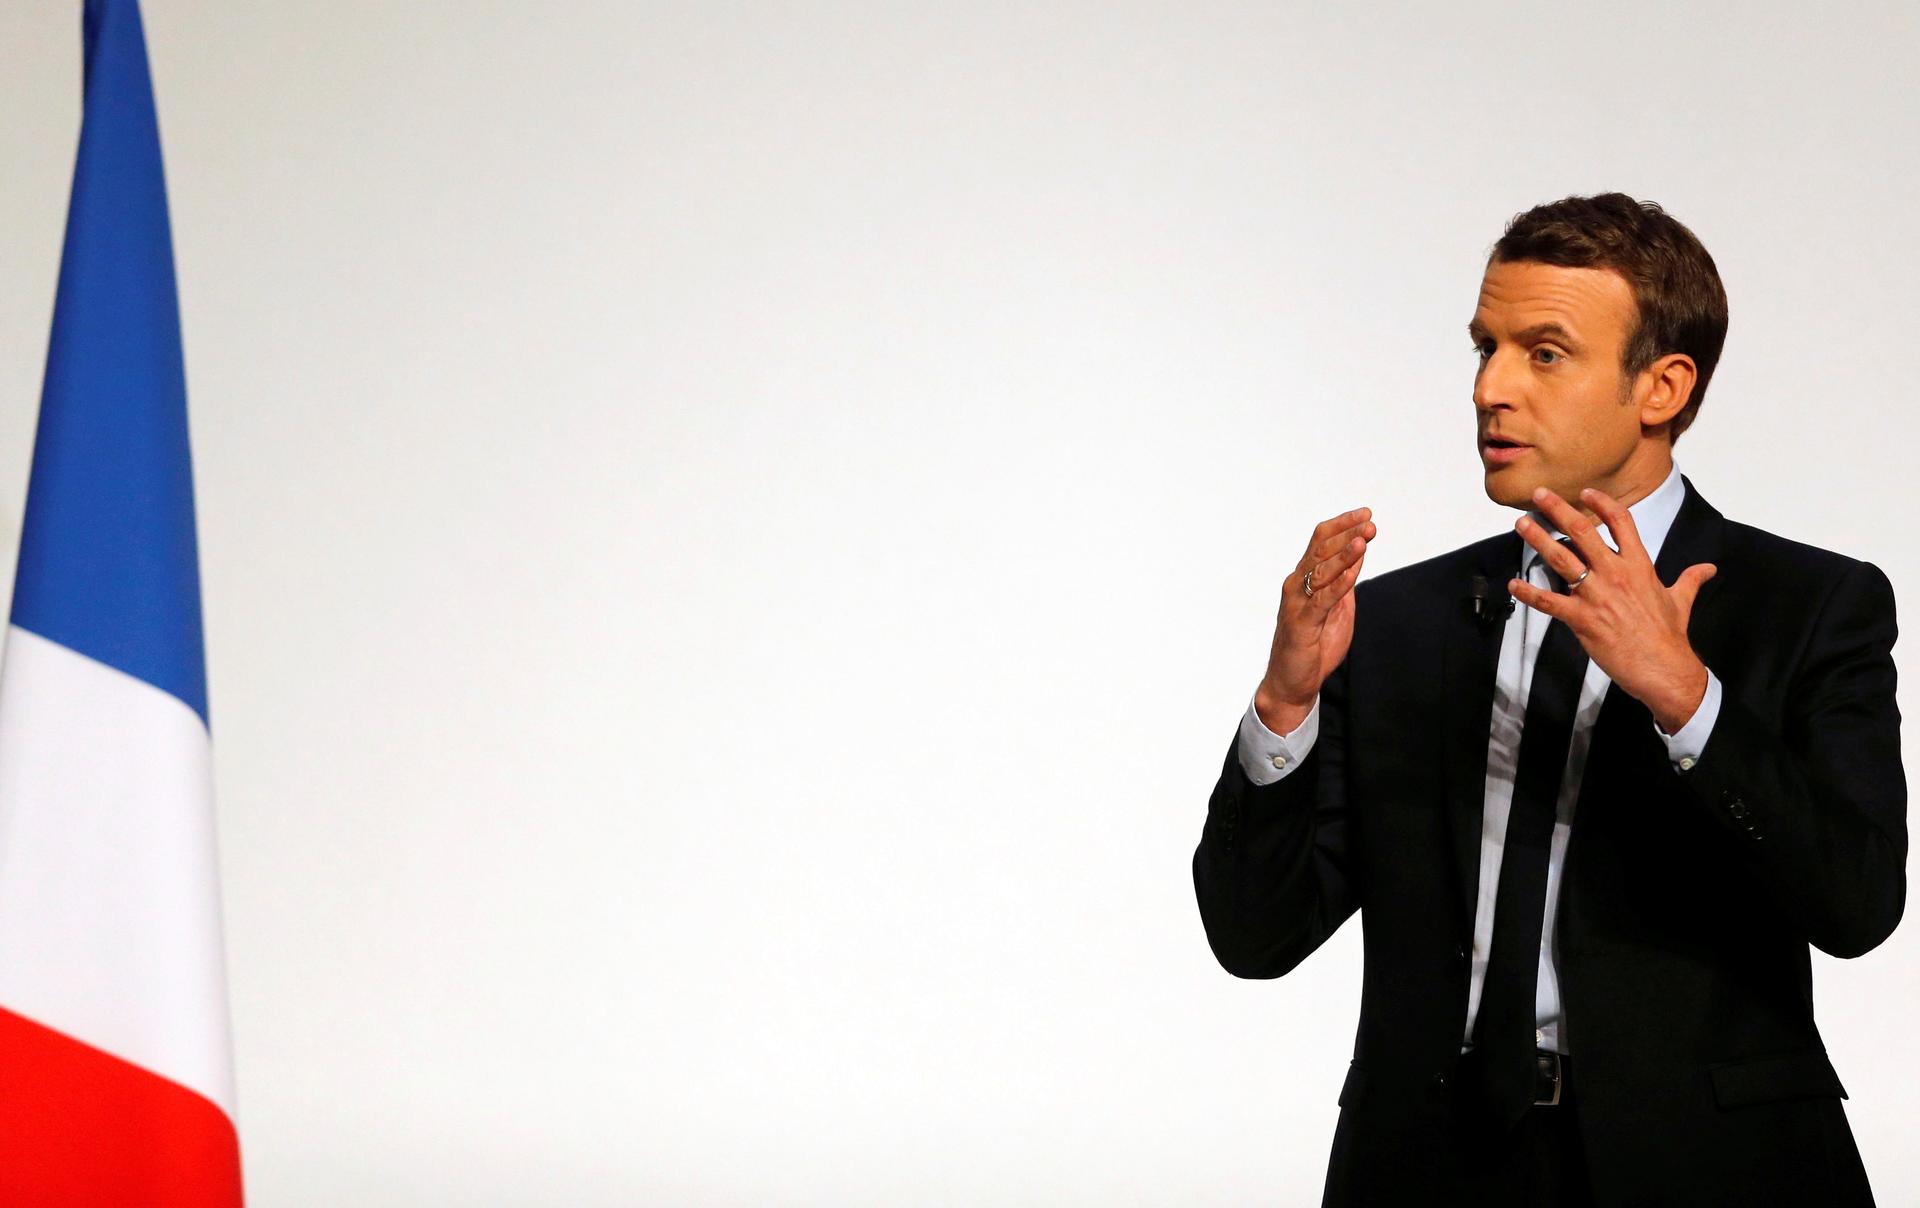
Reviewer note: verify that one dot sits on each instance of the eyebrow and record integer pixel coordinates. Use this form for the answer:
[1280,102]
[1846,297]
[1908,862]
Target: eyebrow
[1538,331]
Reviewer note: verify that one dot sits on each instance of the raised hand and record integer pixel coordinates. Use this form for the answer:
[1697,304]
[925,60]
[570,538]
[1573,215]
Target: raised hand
[1631,624]
[1312,633]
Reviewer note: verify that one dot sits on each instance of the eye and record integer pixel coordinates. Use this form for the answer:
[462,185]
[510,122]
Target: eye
[1481,351]
[1552,353]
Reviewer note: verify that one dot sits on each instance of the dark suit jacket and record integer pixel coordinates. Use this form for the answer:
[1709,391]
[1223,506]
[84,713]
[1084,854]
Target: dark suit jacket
[1687,901]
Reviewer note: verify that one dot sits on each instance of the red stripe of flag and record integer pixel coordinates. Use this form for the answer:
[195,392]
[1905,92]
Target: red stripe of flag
[81,1128]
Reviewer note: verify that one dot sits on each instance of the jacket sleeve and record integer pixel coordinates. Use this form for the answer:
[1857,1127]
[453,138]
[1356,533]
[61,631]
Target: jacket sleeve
[1274,871]
[1819,811]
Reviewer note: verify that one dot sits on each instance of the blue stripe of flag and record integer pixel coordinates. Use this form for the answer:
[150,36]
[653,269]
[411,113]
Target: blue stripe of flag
[109,565]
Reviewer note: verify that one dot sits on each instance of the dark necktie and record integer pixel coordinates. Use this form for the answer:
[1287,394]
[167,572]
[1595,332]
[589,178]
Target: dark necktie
[1504,1028]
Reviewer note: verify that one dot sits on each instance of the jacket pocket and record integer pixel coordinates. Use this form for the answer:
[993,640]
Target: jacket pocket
[1356,1080]
[1807,1074]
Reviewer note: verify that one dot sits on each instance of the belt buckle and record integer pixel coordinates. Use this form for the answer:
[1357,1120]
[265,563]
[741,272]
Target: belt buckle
[1547,1066]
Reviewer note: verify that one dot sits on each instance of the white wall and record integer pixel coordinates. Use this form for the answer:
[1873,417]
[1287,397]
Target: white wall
[736,537]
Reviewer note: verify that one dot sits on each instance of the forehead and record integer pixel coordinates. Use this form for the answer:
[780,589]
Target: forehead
[1595,302]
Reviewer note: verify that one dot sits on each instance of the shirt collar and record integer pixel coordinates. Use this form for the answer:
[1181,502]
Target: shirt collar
[1652,517]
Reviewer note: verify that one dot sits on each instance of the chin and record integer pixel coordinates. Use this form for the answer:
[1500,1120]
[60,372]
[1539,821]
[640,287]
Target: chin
[1509,489]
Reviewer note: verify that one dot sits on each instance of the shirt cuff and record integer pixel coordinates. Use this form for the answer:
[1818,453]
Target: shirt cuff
[1265,756]
[1685,744]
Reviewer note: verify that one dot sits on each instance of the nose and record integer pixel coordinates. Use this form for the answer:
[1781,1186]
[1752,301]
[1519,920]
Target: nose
[1496,387]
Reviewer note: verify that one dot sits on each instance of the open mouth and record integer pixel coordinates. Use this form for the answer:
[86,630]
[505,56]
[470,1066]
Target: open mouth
[1500,451]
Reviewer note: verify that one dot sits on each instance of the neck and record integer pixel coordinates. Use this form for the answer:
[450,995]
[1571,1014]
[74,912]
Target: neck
[1635,480]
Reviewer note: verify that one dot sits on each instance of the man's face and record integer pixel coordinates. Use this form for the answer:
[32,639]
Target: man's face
[1549,341]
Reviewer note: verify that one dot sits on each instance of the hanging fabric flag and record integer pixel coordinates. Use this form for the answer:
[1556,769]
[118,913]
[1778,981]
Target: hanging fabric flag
[116,1074]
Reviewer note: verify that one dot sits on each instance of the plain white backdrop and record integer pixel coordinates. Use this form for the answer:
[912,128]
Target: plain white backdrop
[736,537]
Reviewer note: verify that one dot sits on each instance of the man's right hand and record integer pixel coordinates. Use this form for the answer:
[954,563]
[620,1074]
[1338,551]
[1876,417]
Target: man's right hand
[1312,633]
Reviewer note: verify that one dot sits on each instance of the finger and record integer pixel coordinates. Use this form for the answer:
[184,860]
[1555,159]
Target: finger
[1336,524]
[1343,539]
[1574,523]
[1327,593]
[1619,523]
[1336,562]
[1564,561]
[1539,598]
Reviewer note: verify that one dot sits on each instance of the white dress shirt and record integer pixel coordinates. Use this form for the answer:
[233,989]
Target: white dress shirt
[1267,757]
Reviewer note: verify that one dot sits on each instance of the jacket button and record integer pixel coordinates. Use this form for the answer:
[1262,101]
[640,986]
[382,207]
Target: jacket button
[1440,1079]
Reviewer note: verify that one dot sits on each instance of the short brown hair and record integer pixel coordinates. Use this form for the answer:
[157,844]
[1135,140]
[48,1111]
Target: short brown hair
[1681,305]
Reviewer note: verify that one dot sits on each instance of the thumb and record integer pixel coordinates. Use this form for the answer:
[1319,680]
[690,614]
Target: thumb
[1691,580]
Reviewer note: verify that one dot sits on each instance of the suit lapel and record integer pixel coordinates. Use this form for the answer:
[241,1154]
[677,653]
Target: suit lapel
[1470,661]
[1697,535]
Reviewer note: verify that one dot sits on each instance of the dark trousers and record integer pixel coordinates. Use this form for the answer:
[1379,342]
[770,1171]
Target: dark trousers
[1541,1164]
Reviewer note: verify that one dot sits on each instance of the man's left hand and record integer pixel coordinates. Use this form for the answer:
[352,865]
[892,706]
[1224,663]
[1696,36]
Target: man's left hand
[1630,623]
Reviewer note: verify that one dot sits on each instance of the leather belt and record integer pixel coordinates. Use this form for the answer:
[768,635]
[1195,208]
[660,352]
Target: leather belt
[1550,1070]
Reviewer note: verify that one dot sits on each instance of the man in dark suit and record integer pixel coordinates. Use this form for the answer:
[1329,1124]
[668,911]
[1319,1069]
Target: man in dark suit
[1595,786]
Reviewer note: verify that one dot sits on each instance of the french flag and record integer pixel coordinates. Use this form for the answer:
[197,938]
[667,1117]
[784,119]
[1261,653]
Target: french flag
[116,1070]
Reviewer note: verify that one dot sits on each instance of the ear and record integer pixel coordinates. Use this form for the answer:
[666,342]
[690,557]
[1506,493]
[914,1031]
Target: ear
[1668,384]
